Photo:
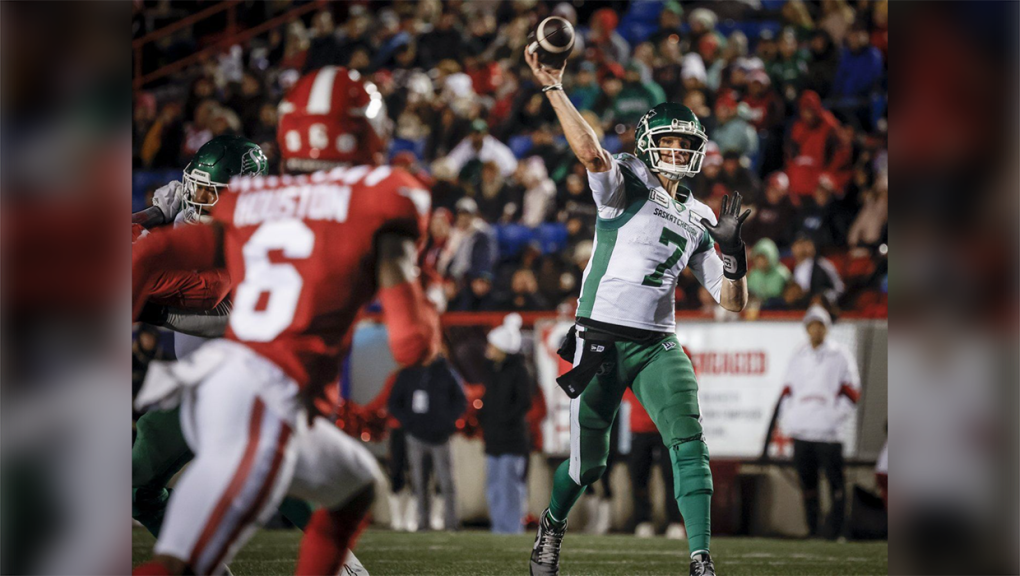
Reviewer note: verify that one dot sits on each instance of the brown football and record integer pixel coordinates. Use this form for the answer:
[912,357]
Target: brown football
[552,40]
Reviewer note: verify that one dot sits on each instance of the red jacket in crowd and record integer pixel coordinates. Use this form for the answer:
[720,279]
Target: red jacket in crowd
[816,148]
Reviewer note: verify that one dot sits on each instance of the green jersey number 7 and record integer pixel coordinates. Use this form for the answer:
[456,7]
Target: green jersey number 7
[668,237]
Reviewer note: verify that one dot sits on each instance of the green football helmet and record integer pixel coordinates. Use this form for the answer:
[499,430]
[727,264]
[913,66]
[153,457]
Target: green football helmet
[212,167]
[670,119]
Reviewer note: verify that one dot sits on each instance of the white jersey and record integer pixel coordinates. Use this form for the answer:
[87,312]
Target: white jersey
[643,240]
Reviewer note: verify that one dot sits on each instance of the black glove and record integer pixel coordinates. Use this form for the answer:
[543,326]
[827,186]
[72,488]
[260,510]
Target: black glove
[727,234]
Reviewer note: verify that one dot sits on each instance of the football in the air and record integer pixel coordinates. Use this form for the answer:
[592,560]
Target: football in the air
[552,40]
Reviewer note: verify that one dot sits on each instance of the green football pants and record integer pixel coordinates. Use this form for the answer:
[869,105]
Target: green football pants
[662,377]
[159,452]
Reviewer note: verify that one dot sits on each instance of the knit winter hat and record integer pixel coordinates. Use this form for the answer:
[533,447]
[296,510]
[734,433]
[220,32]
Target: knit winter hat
[817,314]
[507,337]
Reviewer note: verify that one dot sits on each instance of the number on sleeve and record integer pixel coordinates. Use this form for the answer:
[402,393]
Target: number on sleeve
[280,281]
[668,237]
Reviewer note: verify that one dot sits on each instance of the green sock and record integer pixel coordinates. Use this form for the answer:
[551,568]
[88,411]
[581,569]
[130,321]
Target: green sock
[297,512]
[564,493]
[692,483]
[696,510]
[148,507]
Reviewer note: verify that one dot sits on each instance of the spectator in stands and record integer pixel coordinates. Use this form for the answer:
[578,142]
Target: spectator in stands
[798,17]
[821,216]
[444,42]
[695,100]
[431,254]
[473,249]
[860,68]
[524,295]
[774,216]
[483,146]
[604,39]
[693,75]
[556,157]
[646,451]
[813,274]
[737,177]
[669,25]
[790,68]
[635,97]
[505,404]
[707,183]
[446,131]
[585,91]
[427,401]
[836,19]
[764,105]
[577,209]
[702,23]
[732,133]
[446,190]
[880,28]
[768,276]
[821,390]
[324,47]
[869,228]
[821,68]
[475,296]
[767,49]
[539,199]
[668,70]
[493,195]
[814,147]
[163,142]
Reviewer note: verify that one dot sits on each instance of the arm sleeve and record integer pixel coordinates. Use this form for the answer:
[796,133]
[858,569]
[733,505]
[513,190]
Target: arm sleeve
[459,156]
[207,324]
[850,380]
[706,265]
[197,247]
[188,289]
[608,190]
[411,322]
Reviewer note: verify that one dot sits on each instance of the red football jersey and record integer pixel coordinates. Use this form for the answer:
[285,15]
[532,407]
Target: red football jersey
[302,252]
[192,290]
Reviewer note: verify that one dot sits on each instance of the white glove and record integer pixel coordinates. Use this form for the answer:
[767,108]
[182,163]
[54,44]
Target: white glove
[169,200]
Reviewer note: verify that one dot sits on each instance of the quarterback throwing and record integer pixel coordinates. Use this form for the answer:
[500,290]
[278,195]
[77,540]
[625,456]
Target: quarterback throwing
[649,228]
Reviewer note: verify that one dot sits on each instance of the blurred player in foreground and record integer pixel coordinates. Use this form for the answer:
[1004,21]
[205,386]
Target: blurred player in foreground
[195,306]
[307,253]
[649,229]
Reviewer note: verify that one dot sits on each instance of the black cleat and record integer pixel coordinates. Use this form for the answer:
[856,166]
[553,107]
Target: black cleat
[701,565]
[545,555]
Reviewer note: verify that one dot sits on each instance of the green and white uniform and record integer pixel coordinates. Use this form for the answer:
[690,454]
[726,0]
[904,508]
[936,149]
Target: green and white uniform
[643,240]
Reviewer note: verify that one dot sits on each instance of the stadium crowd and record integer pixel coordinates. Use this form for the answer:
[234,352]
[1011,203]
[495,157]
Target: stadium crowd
[792,95]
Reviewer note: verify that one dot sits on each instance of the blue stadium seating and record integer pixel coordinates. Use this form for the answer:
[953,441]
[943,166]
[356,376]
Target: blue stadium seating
[520,145]
[552,237]
[416,147]
[143,180]
[514,238]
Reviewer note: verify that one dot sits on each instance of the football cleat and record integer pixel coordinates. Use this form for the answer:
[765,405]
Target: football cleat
[545,555]
[701,565]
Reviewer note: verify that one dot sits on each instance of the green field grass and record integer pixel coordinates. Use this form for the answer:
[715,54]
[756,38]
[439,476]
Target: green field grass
[476,553]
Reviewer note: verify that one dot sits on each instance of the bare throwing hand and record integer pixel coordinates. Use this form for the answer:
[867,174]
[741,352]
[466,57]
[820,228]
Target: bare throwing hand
[543,75]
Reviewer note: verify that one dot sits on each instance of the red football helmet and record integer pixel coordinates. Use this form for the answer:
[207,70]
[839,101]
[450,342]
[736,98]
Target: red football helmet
[331,117]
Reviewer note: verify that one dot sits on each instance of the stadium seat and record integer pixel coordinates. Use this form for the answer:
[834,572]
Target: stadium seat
[512,238]
[612,144]
[644,11]
[636,32]
[399,145]
[143,180]
[520,145]
[552,237]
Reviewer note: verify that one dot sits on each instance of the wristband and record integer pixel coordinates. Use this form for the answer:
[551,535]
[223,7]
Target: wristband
[735,265]
[553,87]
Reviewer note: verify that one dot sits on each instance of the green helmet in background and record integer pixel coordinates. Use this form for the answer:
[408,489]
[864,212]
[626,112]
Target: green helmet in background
[212,167]
[670,119]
